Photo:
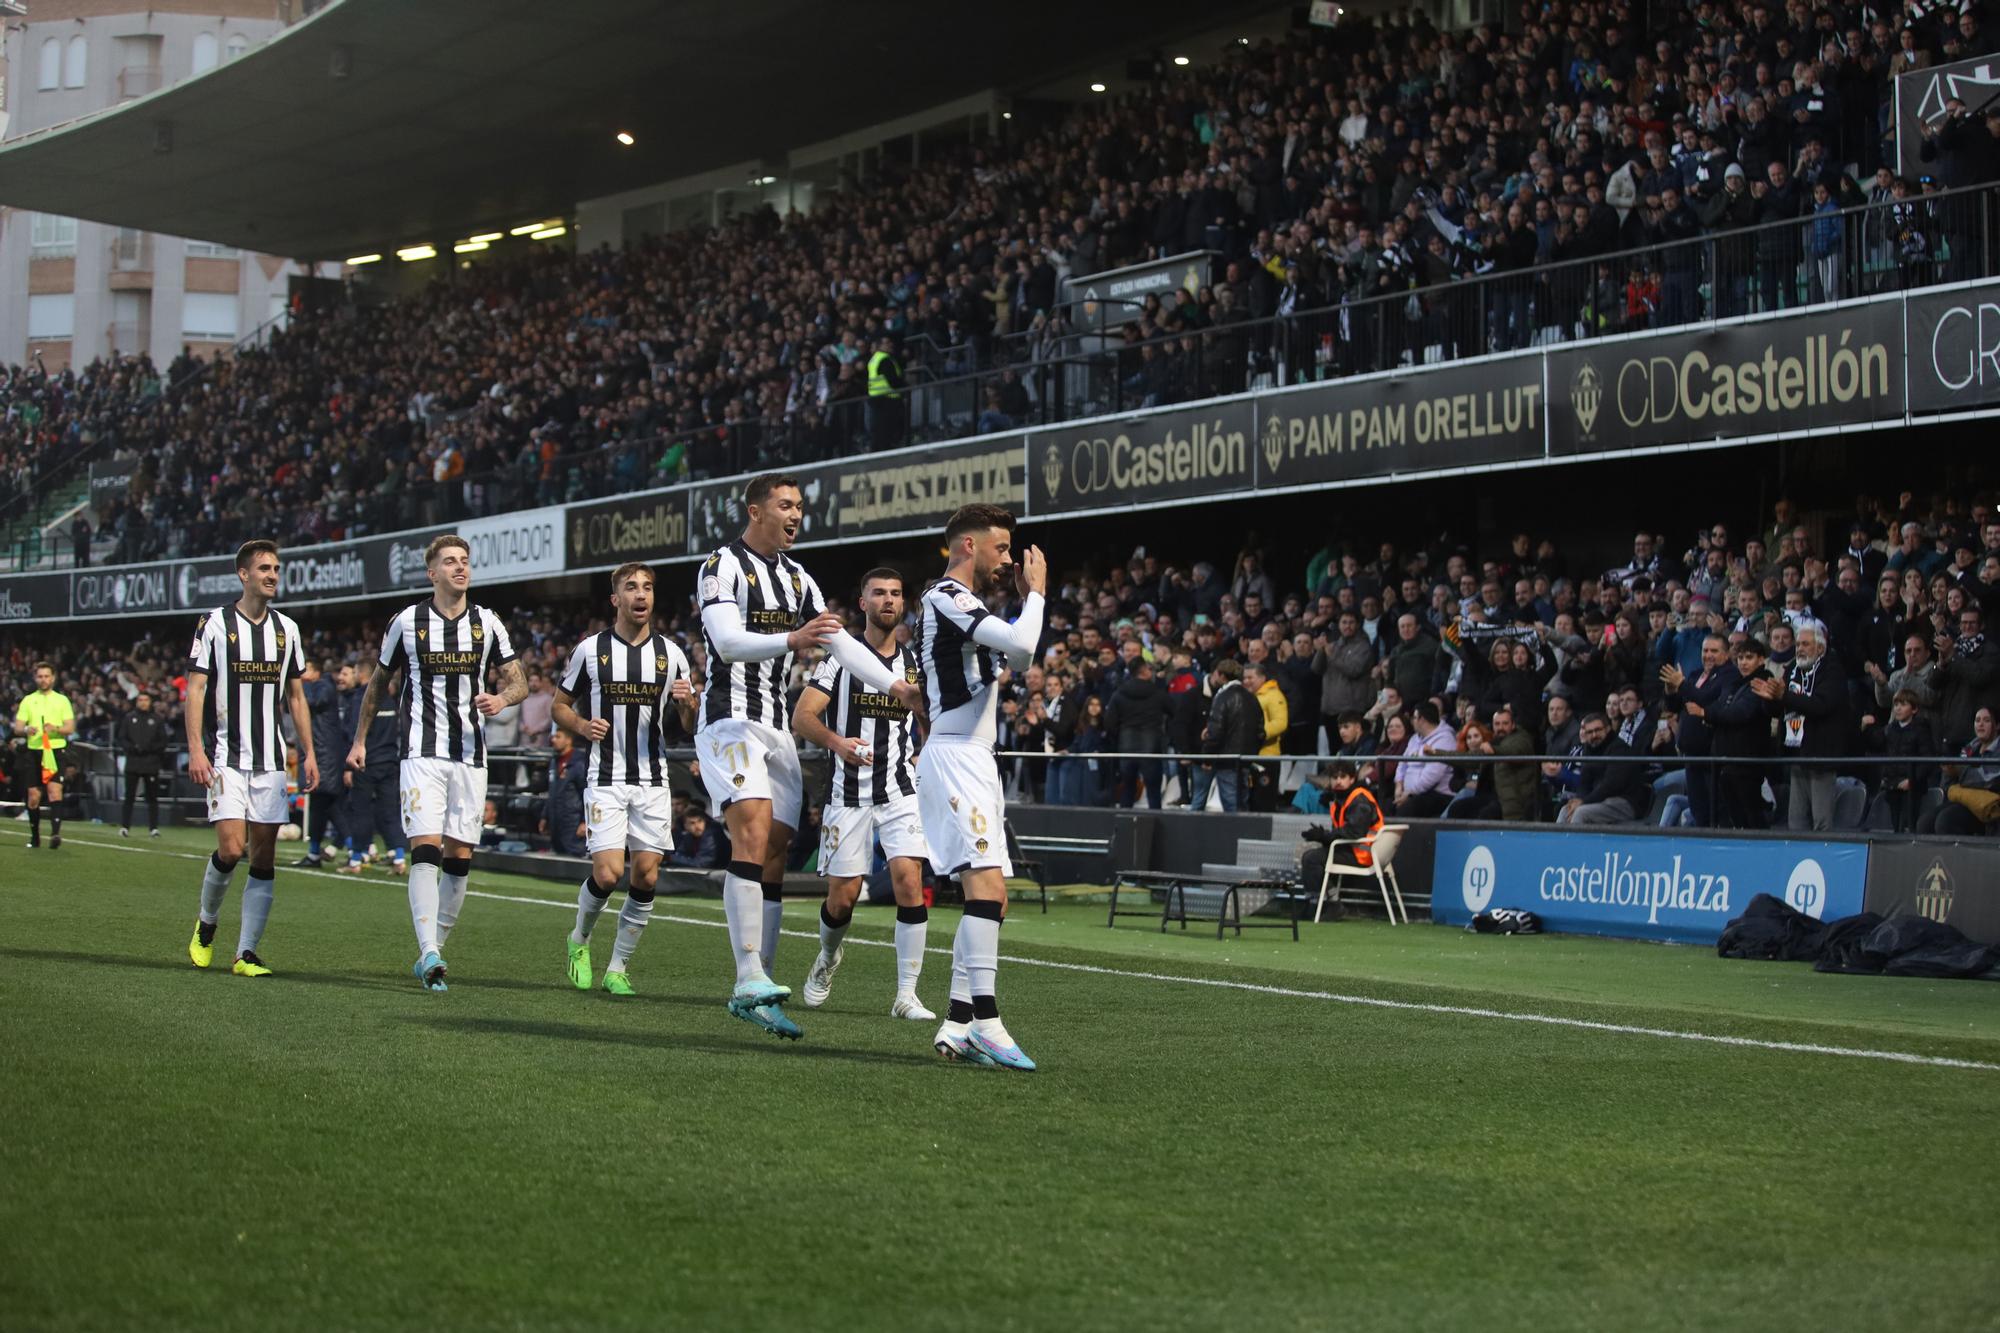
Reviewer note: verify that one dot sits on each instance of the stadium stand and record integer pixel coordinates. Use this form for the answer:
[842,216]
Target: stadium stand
[1375,195]
[1130,665]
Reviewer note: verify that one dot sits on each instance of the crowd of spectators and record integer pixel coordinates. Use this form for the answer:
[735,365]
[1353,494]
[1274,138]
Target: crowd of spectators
[1325,168]
[1769,646]
[1822,639]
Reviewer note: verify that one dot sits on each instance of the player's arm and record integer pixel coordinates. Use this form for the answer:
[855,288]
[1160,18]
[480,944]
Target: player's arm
[723,623]
[364,717]
[21,719]
[200,772]
[513,689]
[682,693]
[66,727]
[563,710]
[809,722]
[302,719]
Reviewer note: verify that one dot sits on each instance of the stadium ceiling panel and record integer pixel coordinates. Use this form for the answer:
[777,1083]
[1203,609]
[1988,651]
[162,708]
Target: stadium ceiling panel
[381,122]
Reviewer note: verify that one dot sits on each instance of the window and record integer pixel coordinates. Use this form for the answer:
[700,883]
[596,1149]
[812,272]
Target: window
[238,44]
[209,316]
[52,237]
[50,72]
[205,51]
[77,64]
[51,315]
[211,250]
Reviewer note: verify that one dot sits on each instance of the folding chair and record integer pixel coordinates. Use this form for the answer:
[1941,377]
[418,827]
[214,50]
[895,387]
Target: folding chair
[1383,870]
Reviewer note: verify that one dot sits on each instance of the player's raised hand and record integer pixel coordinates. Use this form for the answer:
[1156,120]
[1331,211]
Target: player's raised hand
[1033,571]
[815,633]
[909,695]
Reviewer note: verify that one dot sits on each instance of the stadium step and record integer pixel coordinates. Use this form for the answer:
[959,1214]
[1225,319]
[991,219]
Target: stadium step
[1269,855]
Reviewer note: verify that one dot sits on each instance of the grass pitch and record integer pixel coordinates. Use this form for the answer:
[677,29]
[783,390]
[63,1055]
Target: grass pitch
[333,1148]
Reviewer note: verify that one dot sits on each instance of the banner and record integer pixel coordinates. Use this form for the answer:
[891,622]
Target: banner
[1920,99]
[1957,883]
[1637,886]
[914,492]
[140,590]
[1454,416]
[1954,349]
[1106,300]
[34,597]
[608,533]
[396,563]
[1793,373]
[1164,456]
[202,584]
[716,516]
[111,480]
[514,546]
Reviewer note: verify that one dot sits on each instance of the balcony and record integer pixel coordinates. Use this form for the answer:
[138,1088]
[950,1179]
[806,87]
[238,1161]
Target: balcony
[131,261]
[137,81]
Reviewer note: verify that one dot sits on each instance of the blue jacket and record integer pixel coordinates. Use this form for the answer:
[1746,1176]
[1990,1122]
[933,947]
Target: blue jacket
[564,810]
[330,739]
[1682,648]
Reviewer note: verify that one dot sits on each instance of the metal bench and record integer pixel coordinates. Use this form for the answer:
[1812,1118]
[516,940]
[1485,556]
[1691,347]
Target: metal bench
[1033,867]
[1227,895]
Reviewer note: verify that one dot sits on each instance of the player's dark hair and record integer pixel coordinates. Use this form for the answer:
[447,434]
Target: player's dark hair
[883,572]
[630,567]
[444,542]
[760,488]
[250,550]
[50,667]
[977,518]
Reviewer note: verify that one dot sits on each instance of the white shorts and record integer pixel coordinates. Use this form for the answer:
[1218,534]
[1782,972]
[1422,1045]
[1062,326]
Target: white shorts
[255,798]
[748,761]
[847,836]
[958,794]
[442,797]
[624,816]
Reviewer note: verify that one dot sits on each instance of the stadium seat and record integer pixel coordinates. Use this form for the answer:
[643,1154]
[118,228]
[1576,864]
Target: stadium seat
[1878,820]
[1850,804]
[1383,846]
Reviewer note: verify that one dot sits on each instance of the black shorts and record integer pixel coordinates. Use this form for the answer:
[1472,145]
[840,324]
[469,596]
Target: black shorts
[27,770]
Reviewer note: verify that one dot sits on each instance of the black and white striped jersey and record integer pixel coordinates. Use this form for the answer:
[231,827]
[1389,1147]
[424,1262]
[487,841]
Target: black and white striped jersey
[444,661]
[961,649]
[877,721]
[626,684]
[250,665]
[771,595]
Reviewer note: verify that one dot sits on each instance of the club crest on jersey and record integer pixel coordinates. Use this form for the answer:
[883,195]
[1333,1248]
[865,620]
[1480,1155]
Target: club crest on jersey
[659,664]
[478,633]
[281,638]
[798,588]
[910,674]
[980,846]
[736,778]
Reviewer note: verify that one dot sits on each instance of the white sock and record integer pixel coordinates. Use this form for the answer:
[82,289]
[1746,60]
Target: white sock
[742,903]
[451,897]
[214,883]
[774,920]
[831,935]
[257,895]
[588,905]
[961,984]
[979,942]
[424,905]
[911,936]
[631,925]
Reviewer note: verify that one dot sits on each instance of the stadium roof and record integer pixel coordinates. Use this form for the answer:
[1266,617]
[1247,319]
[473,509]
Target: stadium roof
[454,114]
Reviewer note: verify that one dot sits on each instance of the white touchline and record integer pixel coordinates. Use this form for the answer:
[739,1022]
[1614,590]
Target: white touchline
[1332,997]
